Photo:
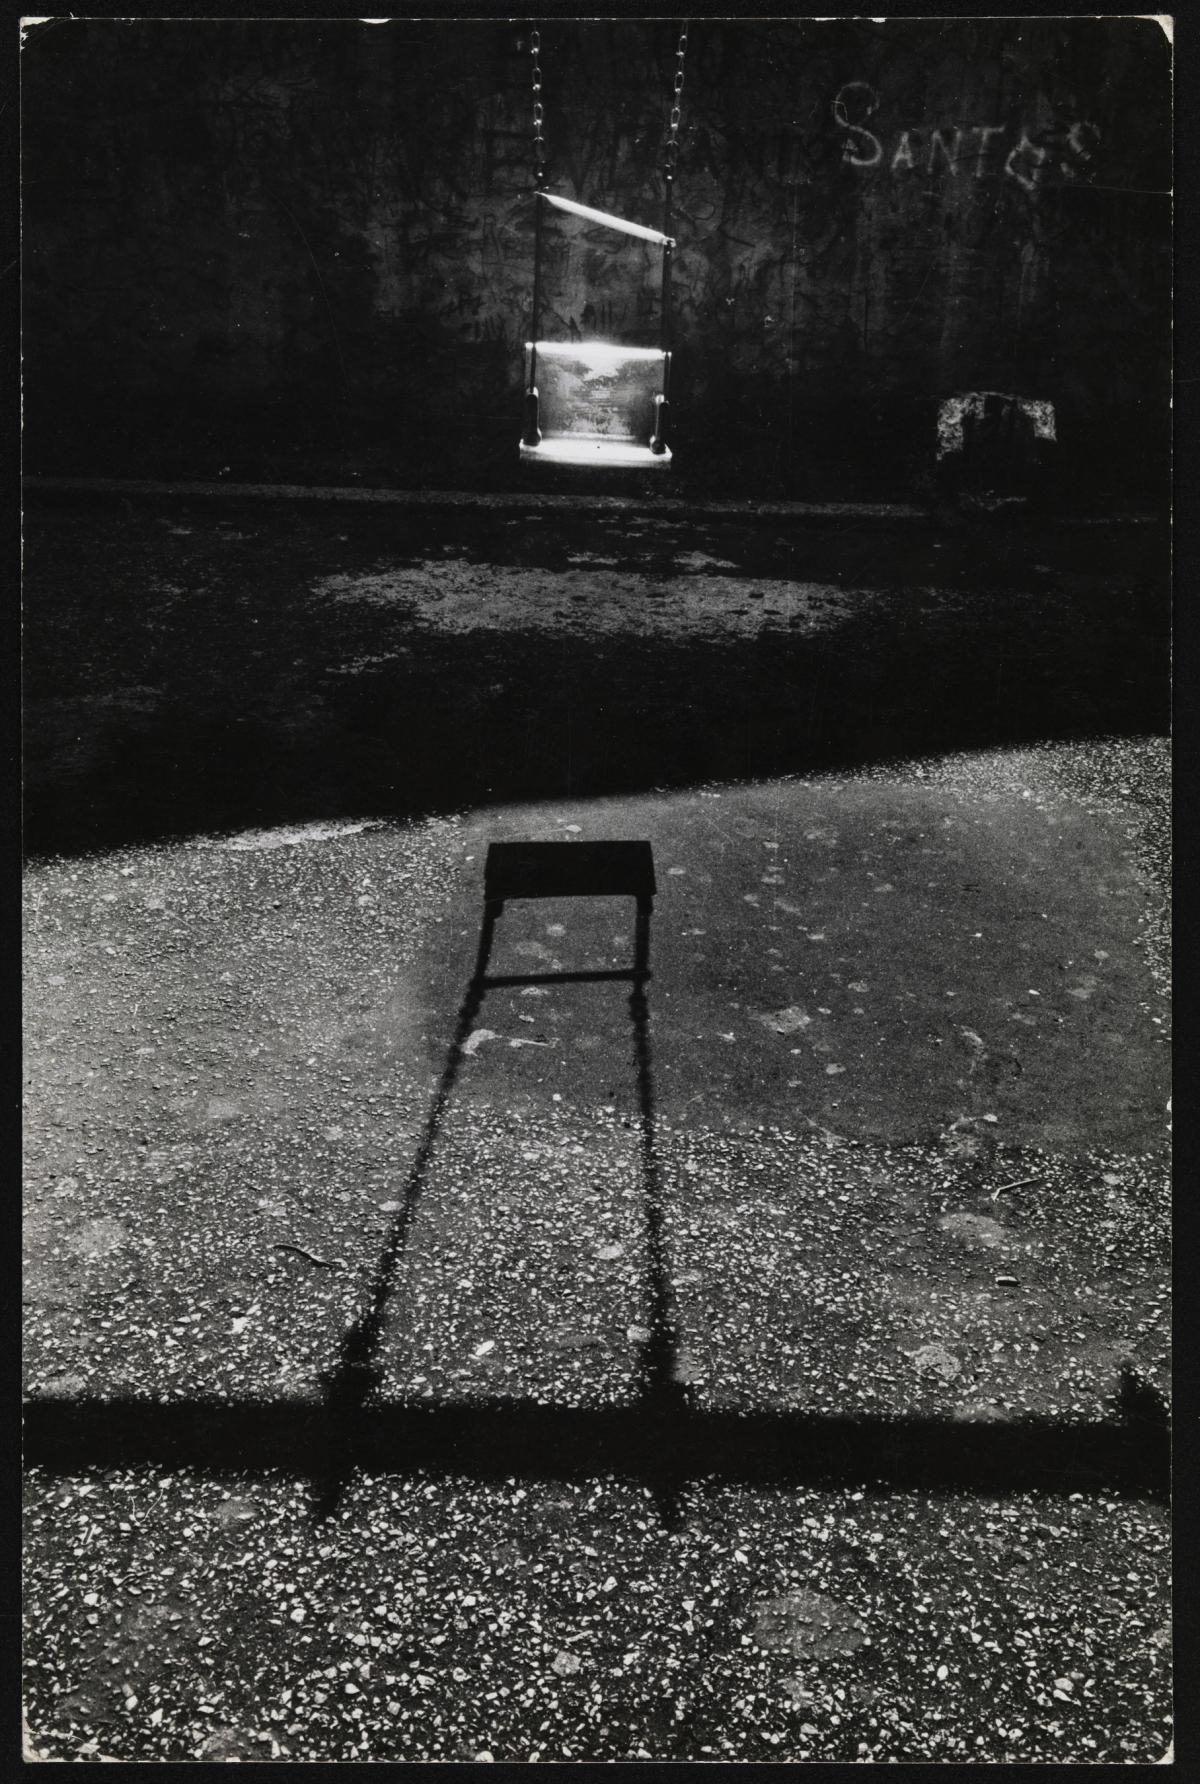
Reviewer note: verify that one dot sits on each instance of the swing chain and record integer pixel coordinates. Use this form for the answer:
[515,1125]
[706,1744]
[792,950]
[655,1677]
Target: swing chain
[676,108]
[539,141]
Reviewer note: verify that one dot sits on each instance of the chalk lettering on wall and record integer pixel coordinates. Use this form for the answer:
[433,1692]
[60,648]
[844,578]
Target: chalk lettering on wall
[966,149]
[851,96]
[985,132]
[904,156]
[1023,162]
[1077,142]
[938,141]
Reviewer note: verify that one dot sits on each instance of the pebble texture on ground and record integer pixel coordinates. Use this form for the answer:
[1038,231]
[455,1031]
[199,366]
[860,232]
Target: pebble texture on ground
[905,1168]
[177,1617]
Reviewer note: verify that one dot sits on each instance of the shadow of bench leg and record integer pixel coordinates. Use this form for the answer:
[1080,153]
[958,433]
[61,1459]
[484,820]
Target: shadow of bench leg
[641,954]
[491,910]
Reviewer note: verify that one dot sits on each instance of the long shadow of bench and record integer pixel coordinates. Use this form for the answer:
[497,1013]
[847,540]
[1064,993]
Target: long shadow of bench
[1128,1454]
[662,1437]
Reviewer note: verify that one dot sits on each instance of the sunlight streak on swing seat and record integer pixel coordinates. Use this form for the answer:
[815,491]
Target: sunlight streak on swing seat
[608,220]
[598,355]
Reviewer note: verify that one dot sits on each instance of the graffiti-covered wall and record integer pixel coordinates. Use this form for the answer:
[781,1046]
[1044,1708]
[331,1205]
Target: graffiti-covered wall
[303,249]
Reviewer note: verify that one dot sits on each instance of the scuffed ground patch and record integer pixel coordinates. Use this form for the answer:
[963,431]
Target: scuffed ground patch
[297,836]
[456,596]
[1125,781]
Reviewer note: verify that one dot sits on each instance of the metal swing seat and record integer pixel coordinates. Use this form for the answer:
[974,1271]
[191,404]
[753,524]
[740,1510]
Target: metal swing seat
[599,404]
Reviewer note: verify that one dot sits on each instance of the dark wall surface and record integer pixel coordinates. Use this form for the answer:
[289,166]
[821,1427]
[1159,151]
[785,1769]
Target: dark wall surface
[303,249]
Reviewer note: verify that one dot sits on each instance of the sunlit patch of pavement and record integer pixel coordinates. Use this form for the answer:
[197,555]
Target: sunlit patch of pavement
[231,1059]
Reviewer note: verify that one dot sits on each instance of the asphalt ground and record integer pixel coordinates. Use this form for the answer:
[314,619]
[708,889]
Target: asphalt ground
[774,1368]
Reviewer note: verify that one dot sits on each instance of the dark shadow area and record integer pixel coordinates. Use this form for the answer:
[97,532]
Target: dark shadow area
[199,684]
[653,1438]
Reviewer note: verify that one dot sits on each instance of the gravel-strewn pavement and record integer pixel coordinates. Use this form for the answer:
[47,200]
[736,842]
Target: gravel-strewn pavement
[232,1049]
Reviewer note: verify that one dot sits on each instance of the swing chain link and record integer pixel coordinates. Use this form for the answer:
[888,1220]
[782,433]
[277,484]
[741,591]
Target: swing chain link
[677,106]
[539,141]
